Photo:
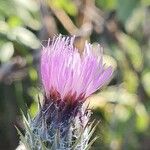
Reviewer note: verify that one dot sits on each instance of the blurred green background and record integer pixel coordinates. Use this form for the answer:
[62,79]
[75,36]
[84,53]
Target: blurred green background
[123,29]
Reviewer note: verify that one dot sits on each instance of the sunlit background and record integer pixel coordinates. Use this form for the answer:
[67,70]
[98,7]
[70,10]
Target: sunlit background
[122,27]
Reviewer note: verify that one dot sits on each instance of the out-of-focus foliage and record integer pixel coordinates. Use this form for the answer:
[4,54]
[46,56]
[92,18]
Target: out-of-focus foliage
[66,5]
[19,27]
[123,29]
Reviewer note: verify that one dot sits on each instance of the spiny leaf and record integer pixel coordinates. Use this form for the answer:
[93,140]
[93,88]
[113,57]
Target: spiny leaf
[92,131]
[90,144]
[23,140]
[56,140]
[26,123]
[78,140]
[91,125]
[29,117]
[42,145]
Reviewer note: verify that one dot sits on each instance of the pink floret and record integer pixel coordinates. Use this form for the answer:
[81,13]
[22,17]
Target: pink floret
[68,75]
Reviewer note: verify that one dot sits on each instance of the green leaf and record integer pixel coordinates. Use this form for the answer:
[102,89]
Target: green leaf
[6,51]
[107,4]
[33,109]
[146,81]
[132,49]
[33,74]
[67,5]
[30,5]
[130,83]
[142,119]
[135,20]
[5,8]
[145,2]
[4,28]
[25,36]
[125,9]
[28,13]
[14,21]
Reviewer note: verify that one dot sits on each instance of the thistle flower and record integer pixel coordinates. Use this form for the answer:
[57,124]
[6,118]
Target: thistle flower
[68,79]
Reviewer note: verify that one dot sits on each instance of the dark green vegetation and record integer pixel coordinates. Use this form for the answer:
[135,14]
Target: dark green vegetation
[121,26]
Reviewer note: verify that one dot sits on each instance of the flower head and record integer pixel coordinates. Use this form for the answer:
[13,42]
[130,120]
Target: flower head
[68,79]
[69,76]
